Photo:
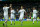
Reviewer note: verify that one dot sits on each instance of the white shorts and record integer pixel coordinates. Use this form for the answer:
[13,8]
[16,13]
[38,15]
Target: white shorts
[21,17]
[12,17]
[34,15]
[5,16]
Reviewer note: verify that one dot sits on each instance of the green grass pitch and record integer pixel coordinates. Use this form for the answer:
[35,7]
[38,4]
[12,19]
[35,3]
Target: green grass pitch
[18,24]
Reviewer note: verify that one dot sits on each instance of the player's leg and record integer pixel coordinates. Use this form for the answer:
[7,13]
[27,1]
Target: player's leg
[6,18]
[11,21]
[5,22]
[36,19]
[33,18]
[20,19]
[14,21]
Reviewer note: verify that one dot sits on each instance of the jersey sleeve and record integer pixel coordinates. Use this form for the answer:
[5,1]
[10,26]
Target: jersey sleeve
[3,8]
[36,11]
[24,11]
[7,7]
[19,11]
[14,11]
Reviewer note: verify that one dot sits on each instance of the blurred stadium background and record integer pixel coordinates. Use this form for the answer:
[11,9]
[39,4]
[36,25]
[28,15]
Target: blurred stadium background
[28,6]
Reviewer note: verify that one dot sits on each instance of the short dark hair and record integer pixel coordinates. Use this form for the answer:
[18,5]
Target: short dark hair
[5,4]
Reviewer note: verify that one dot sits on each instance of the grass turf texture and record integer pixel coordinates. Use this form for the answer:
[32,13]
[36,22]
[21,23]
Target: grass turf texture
[18,24]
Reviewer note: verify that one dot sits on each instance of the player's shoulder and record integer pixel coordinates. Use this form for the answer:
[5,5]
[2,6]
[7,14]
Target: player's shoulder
[35,10]
[3,7]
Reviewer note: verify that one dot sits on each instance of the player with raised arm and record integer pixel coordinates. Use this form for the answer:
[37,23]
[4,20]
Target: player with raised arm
[21,11]
[5,9]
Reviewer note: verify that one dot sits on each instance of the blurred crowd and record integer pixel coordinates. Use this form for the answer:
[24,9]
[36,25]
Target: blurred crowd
[29,11]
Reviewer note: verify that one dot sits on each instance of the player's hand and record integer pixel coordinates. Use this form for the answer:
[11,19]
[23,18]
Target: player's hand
[10,5]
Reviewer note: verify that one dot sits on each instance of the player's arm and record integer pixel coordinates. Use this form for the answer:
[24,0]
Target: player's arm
[24,11]
[3,8]
[36,11]
[19,11]
[10,5]
[6,6]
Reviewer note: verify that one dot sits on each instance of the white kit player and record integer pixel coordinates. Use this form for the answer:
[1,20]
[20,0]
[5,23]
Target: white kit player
[21,11]
[5,9]
[34,14]
[12,15]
